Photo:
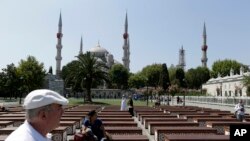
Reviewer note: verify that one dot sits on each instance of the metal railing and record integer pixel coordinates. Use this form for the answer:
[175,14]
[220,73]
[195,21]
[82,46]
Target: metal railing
[229,101]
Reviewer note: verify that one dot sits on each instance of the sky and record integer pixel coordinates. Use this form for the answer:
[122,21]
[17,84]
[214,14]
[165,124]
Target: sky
[157,30]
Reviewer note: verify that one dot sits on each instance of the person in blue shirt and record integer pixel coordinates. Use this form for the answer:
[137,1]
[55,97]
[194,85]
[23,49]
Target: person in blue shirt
[93,125]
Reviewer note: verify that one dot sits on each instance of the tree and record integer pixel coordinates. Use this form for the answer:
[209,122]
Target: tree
[137,81]
[180,76]
[152,73]
[31,73]
[196,77]
[10,81]
[164,79]
[69,83]
[87,71]
[119,76]
[172,73]
[223,67]
[246,83]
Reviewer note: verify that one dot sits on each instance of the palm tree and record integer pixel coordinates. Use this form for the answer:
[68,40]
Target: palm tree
[87,71]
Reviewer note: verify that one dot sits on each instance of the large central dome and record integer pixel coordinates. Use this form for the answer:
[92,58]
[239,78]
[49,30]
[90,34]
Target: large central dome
[98,50]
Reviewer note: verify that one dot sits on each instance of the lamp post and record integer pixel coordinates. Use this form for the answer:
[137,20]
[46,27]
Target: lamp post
[20,90]
[185,92]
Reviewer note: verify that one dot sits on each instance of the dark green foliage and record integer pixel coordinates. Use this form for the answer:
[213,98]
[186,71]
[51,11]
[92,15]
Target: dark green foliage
[223,67]
[137,81]
[180,76]
[164,77]
[119,76]
[196,77]
[84,72]
[152,73]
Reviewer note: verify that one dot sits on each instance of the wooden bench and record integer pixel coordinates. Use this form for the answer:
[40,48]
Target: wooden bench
[148,113]
[116,119]
[219,125]
[119,123]
[4,124]
[227,130]
[77,119]
[59,134]
[3,137]
[17,120]
[12,115]
[202,121]
[129,138]
[114,116]
[113,113]
[146,120]
[190,117]
[7,130]
[124,130]
[155,116]
[196,137]
[161,131]
[152,125]
[71,126]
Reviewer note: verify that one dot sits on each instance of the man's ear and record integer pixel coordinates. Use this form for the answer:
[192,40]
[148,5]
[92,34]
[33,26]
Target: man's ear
[43,114]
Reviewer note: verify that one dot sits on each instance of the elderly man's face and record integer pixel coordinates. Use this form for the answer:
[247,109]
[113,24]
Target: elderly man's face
[54,115]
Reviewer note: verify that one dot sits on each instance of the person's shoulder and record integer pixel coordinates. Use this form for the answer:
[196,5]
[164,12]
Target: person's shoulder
[98,121]
[86,121]
[20,134]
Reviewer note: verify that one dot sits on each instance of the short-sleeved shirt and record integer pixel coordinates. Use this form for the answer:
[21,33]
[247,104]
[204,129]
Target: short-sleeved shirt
[26,132]
[95,127]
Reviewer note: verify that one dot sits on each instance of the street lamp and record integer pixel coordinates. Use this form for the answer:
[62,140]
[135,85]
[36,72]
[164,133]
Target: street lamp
[185,92]
[20,91]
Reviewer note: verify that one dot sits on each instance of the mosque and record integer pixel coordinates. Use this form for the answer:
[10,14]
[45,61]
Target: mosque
[54,82]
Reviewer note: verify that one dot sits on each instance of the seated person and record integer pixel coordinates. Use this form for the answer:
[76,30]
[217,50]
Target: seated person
[239,110]
[92,124]
[3,109]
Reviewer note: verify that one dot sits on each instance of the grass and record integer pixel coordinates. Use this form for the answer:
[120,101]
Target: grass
[77,101]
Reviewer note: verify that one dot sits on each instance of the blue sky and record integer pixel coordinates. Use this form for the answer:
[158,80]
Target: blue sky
[157,30]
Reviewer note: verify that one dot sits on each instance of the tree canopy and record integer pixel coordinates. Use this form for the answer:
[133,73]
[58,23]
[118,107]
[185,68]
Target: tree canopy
[223,67]
[119,76]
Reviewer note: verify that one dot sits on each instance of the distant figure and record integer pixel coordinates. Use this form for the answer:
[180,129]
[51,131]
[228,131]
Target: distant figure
[43,110]
[2,108]
[123,103]
[240,111]
[178,99]
[157,102]
[131,106]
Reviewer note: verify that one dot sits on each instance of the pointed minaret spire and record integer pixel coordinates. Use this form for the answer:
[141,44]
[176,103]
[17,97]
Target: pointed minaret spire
[126,23]
[81,52]
[204,34]
[59,47]
[60,20]
[182,62]
[204,47]
[126,52]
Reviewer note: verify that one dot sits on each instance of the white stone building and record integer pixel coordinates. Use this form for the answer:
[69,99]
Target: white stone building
[228,86]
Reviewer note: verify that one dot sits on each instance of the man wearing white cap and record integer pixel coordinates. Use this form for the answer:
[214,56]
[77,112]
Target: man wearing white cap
[43,112]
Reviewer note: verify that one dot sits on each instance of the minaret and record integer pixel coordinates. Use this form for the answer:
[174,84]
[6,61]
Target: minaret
[126,52]
[59,48]
[182,62]
[204,48]
[81,52]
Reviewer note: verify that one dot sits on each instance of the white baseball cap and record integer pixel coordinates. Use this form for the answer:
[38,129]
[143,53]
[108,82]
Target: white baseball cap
[43,97]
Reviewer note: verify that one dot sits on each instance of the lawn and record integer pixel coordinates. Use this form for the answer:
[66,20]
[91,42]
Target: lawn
[76,101]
